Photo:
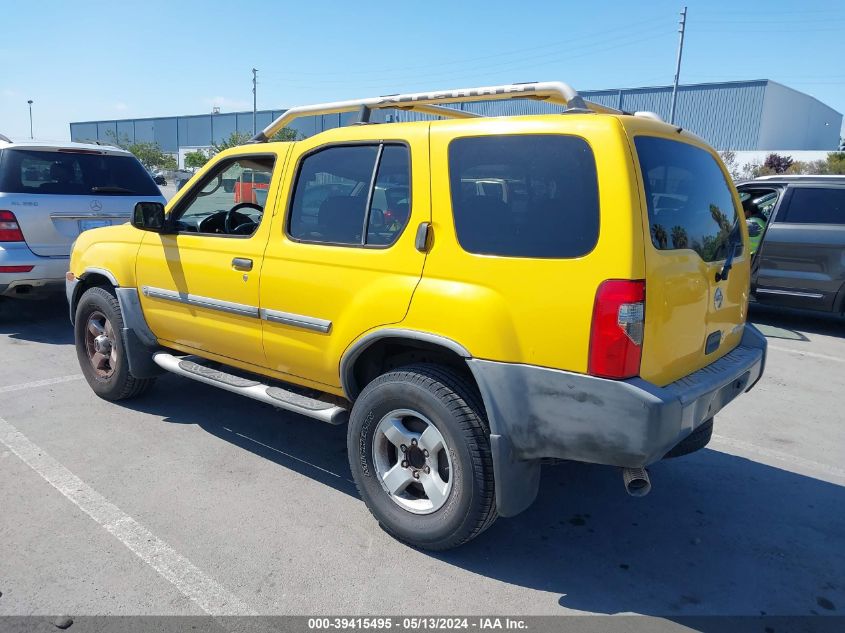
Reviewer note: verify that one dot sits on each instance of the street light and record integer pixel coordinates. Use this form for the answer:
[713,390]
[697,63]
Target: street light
[30,118]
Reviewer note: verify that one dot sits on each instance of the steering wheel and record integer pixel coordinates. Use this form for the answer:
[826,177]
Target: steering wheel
[228,223]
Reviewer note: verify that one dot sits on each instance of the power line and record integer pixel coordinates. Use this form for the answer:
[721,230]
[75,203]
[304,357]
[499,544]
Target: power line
[567,45]
[513,66]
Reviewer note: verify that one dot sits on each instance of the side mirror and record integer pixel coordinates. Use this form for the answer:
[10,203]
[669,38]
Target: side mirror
[149,216]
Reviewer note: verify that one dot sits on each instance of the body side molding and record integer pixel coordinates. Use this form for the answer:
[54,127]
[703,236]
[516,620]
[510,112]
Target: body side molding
[296,320]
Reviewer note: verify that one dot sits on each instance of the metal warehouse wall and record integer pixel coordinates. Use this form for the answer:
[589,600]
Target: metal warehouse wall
[727,115]
[201,130]
[742,115]
[793,120]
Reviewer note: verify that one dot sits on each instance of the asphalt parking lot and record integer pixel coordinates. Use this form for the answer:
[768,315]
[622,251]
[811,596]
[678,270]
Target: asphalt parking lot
[193,500]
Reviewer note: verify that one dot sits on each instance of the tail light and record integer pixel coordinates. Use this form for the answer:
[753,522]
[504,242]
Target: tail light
[616,337]
[16,269]
[10,231]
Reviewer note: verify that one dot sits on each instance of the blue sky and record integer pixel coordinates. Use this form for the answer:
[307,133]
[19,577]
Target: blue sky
[91,60]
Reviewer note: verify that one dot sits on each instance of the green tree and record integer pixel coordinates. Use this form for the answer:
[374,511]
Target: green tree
[242,138]
[233,140]
[835,163]
[148,153]
[286,134]
[731,162]
[196,159]
[680,239]
[659,236]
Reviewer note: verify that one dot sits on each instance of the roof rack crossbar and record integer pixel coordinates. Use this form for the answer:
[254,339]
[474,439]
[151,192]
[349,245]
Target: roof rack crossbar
[430,103]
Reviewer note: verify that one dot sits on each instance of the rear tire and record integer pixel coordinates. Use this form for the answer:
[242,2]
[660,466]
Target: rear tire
[98,324]
[441,499]
[695,441]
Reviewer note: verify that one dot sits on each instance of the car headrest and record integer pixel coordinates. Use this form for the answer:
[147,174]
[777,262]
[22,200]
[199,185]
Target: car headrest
[341,218]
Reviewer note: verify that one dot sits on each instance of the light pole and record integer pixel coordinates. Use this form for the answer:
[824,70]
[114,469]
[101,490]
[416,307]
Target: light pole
[30,118]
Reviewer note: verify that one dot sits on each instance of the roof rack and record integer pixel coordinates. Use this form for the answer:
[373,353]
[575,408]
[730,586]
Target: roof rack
[430,103]
[5,138]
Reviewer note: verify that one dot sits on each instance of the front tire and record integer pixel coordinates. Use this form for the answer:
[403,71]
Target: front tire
[419,450]
[99,347]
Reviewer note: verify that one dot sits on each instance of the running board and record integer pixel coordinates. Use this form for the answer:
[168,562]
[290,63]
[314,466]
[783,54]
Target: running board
[276,396]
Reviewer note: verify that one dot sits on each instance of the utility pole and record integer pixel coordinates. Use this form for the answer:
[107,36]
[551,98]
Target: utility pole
[254,101]
[681,28]
[30,119]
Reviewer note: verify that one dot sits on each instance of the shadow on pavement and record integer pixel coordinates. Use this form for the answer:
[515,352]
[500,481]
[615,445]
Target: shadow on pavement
[718,535]
[787,323]
[36,320]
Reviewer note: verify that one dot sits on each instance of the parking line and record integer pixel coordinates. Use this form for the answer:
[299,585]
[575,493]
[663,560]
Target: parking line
[207,593]
[753,449]
[40,383]
[803,353]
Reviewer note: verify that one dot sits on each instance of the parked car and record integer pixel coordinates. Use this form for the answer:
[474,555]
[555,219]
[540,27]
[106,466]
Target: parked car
[462,347]
[158,178]
[49,194]
[801,259]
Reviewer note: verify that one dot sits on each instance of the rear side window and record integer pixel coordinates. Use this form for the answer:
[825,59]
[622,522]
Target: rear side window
[815,205]
[527,195]
[356,195]
[690,205]
[74,174]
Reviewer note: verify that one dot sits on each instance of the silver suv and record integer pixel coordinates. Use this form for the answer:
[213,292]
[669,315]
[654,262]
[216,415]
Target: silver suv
[49,193]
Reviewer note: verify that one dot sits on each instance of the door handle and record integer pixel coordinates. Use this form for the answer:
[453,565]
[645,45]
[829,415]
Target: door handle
[242,263]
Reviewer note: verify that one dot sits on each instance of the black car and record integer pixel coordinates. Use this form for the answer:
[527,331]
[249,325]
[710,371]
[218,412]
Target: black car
[801,260]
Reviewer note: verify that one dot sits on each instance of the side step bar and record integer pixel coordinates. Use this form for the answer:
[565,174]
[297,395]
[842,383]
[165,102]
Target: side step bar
[274,395]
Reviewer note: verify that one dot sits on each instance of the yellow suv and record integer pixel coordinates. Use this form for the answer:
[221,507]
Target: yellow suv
[473,295]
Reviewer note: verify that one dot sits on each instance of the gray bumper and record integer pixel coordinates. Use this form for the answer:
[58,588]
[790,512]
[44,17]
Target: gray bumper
[538,413]
[46,276]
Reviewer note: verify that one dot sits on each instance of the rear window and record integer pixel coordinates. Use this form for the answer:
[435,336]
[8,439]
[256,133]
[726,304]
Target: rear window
[533,195]
[690,205]
[70,173]
[815,205]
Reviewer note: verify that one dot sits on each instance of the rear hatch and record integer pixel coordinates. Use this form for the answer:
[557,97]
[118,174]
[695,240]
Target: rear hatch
[57,193]
[690,212]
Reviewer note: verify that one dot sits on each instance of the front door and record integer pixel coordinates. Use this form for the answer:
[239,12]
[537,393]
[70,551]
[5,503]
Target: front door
[199,286]
[343,260]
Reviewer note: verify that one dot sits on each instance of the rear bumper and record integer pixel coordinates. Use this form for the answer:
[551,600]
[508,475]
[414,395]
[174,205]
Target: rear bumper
[46,277]
[538,413]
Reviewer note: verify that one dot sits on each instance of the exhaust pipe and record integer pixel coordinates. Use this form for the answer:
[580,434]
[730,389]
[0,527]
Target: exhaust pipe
[637,482]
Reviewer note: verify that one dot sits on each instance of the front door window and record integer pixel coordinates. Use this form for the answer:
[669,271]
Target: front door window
[230,200]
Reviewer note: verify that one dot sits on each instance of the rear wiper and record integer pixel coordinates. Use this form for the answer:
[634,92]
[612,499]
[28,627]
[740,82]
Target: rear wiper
[110,190]
[722,275]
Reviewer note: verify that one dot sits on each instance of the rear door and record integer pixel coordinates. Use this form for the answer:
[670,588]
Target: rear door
[690,213]
[343,260]
[57,193]
[802,260]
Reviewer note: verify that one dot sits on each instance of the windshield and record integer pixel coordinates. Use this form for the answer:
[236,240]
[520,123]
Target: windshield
[73,173]
[690,205]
